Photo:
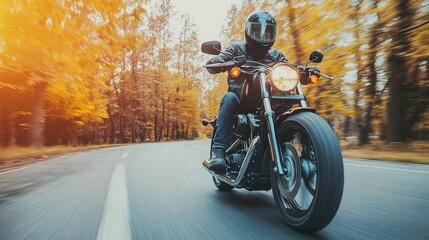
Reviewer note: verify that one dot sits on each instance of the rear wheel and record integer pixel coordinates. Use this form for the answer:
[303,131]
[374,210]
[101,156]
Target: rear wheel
[309,193]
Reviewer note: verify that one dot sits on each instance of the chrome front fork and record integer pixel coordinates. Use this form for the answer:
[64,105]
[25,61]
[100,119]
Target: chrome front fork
[269,115]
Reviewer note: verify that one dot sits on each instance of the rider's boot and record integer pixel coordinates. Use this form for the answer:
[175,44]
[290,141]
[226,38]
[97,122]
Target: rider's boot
[217,161]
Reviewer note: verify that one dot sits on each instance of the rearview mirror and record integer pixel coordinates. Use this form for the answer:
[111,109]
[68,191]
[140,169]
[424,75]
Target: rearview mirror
[316,57]
[212,47]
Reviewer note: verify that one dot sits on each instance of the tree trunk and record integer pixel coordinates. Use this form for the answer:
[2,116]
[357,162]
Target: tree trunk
[187,131]
[161,129]
[182,131]
[105,131]
[12,129]
[397,107]
[7,121]
[37,120]
[133,130]
[173,130]
[346,127]
[167,131]
[73,134]
[366,127]
[359,85]
[156,113]
[95,137]
[294,30]
[4,134]
[121,128]
[417,97]
[112,125]
[134,93]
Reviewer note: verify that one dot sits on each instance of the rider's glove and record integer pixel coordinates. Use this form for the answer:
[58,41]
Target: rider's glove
[215,60]
[214,70]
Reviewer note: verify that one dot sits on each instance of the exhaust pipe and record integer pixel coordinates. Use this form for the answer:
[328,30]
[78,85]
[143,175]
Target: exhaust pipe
[235,182]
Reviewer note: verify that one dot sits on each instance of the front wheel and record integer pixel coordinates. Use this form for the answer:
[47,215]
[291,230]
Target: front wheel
[308,195]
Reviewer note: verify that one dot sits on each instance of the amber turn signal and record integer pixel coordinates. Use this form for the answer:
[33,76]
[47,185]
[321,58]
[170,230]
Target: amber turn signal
[235,72]
[314,79]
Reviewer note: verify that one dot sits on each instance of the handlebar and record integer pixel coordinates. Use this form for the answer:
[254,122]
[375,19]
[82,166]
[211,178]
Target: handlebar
[315,71]
[226,66]
[230,64]
[326,76]
[241,64]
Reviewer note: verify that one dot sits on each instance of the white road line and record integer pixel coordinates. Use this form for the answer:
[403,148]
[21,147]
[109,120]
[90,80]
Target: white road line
[29,165]
[125,155]
[14,170]
[386,168]
[115,223]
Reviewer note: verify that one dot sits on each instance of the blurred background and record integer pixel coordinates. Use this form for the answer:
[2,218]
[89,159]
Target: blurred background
[82,72]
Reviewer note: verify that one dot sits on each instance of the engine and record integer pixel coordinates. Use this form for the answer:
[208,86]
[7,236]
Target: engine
[245,125]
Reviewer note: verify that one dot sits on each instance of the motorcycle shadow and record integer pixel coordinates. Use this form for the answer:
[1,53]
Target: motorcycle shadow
[260,208]
[247,200]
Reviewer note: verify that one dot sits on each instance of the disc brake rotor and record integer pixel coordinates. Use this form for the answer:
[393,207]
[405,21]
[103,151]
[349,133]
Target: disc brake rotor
[289,183]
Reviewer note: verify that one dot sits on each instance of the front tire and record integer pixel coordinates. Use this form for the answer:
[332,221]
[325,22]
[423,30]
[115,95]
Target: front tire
[308,195]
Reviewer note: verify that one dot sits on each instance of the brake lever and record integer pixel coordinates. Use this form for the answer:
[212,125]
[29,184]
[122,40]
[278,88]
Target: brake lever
[326,76]
[315,70]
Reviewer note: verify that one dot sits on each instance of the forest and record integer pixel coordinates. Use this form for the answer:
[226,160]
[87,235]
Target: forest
[78,72]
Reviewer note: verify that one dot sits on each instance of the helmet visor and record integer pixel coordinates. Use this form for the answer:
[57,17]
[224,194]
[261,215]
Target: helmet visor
[261,32]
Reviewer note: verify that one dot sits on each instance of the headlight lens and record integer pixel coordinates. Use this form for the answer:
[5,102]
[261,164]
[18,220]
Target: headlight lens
[284,77]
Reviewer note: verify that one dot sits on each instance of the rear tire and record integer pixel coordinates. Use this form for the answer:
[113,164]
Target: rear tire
[319,178]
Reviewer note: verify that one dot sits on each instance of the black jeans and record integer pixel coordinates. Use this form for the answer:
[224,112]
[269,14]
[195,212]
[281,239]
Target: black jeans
[228,107]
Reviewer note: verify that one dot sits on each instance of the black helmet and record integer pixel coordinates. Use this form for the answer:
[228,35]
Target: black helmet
[261,29]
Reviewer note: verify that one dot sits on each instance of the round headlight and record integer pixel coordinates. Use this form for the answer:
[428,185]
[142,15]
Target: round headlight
[283,77]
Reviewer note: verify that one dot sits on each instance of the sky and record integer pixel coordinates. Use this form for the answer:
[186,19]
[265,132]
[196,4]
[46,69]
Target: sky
[208,15]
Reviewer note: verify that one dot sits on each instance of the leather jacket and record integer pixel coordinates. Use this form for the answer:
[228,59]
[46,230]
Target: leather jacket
[242,49]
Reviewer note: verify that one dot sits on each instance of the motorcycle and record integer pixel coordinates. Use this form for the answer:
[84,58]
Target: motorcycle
[280,143]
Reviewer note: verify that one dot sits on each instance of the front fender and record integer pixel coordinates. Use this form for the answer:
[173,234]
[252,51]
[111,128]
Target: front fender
[291,112]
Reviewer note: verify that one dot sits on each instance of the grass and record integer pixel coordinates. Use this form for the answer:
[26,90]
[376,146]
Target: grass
[15,156]
[414,152]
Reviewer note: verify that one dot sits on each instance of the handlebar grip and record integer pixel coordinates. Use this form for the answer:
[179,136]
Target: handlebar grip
[220,65]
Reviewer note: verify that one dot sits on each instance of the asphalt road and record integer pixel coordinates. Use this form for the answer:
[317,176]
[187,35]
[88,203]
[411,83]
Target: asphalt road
[161,191]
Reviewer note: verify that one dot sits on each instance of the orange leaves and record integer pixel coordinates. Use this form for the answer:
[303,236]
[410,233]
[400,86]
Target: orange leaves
[73,101]
[59,42]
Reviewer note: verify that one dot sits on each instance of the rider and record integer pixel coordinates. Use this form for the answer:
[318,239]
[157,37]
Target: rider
[260,32]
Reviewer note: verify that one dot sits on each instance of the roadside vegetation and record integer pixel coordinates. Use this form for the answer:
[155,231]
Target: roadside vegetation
[413,152]
[11,157]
